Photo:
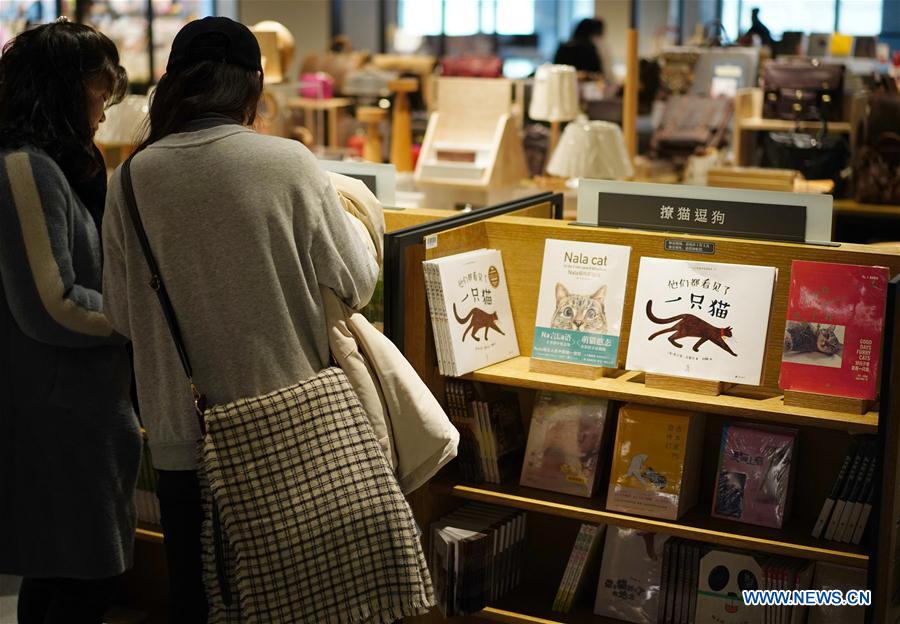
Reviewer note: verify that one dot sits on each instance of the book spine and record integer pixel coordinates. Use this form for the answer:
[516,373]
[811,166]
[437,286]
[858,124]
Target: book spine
[570,566]
[845,493]
[431,295]
[855,493]
[860,501]
[591,546]
[828,505]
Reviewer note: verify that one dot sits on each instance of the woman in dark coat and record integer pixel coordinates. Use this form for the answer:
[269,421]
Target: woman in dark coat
[69,441]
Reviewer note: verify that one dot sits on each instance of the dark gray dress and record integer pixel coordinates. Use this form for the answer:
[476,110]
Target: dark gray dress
[69,441]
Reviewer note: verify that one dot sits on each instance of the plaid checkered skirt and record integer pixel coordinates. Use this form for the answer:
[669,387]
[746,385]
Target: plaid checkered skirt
[314,525]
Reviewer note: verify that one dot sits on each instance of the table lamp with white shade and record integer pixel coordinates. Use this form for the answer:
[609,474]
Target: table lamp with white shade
[591,149]
[554,97]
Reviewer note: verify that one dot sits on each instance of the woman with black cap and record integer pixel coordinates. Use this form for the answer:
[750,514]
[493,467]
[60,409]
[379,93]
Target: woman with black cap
[69,440]
[245,229]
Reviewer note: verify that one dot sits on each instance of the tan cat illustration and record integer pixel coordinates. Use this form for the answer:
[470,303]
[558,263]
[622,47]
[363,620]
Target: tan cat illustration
[580,312]
[477,319]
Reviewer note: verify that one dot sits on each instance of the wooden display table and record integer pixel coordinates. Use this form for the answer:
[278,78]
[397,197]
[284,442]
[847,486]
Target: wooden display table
[331,106]
[401,127]
[372,116]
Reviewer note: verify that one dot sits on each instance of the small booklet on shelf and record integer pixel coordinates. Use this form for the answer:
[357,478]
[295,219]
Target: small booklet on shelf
[579,309]
[833,334]
[755,474]
[656,461]
[702,320]
[564,443]
[630,575]
[723,575]
[470,312]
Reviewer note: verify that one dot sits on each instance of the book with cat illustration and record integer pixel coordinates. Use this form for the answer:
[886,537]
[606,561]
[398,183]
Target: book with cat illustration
[470,312]
[703,320]
[833,333]
[656,461]
[755,474]
[579,310]
[564,443]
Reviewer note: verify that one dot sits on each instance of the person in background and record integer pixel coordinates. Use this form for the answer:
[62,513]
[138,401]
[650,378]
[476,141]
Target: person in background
[70,443]
[584,51]
[759,29]
[245,229]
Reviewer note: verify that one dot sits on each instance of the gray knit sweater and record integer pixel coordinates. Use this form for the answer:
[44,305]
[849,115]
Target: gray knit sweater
[245,228]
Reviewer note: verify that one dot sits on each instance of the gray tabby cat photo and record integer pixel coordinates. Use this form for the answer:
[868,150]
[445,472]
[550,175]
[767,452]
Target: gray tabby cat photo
[819,344]
[586,313]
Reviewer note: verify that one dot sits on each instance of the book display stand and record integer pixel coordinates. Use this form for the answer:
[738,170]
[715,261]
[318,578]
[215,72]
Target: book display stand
[850,405]
[826,428]
[580,371]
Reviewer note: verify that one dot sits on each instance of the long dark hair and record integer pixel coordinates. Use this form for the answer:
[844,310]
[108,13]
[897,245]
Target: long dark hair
[202,88]
[44,73]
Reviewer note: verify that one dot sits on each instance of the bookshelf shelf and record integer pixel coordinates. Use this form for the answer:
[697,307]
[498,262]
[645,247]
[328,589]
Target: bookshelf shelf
[695,525]
[629,386]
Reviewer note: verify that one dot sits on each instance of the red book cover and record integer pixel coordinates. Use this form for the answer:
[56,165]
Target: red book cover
[833,334]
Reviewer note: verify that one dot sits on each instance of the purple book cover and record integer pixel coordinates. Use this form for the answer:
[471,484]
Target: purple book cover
[753,476]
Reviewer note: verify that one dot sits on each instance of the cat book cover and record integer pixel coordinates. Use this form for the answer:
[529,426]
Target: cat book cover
[754,474]
[479,319]
[564,443]
[833,333]
[579,310]
[656,460]
[723,576]
[629,585]
[703,320]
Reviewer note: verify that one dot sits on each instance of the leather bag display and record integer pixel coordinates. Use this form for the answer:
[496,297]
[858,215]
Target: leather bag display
[793,88]
[692,122]
[876,166]
[820,156]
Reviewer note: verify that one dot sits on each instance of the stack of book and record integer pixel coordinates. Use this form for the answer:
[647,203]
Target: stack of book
[145,495]
[786,574]
[845,513]
[680,580]
[580,560]
[476,556]
[491,433]
[470,312]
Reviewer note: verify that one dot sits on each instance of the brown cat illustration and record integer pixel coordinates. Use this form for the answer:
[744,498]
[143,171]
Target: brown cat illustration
[477,319]
[690,326]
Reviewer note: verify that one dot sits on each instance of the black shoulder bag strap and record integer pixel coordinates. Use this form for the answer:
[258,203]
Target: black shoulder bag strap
[156,283]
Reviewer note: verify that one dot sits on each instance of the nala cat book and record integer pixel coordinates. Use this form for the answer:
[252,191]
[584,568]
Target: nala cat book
[656,461]
[833,334]
[754,474]
[564,443]
[704,320]
[579,310]
[470,312]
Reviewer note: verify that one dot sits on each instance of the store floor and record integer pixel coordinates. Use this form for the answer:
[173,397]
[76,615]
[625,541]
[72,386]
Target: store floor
[9,589]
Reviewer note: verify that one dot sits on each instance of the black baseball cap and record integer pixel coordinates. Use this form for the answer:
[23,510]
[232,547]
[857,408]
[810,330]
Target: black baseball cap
[238,47]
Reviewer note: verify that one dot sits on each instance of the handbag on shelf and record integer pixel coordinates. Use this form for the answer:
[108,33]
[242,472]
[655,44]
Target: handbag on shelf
[793,88]
[690,123]
[876,166]
[472,66]
[294,465]
[820,156]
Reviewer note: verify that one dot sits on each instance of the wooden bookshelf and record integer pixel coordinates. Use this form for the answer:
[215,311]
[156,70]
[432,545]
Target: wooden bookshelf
[149,533]
[792,541]
[629,386]
[824,435]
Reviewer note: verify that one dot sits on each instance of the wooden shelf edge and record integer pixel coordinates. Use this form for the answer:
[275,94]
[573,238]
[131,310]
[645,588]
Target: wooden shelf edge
[777,125]
[511,617]
[515,372]
[148,534]
[722,538]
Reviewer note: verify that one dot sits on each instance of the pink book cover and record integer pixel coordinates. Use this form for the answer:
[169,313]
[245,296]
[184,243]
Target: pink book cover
[754,474]
[833,333]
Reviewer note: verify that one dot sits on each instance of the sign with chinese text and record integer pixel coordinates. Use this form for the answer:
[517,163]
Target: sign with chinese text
[704,320]
[703,216]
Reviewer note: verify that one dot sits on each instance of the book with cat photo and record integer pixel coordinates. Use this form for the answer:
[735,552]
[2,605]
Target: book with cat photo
[564,443]
[702,320]
[579,310]
[755,474]
[833,333]
[656,461]
[470,312]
